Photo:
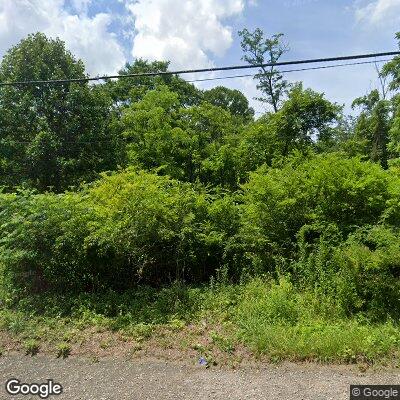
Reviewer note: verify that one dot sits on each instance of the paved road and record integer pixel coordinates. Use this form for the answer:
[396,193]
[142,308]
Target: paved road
[142,380]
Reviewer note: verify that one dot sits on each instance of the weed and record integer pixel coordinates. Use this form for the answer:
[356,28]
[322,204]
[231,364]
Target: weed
[137,347]
[63,350]
[176,324]
[105,344]
[140,332]
[277,321]
[13,321]
[223,343]
[32,347]
[199,347]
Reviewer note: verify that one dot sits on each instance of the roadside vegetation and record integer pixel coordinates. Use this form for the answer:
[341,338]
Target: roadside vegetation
[225,324]
[146,214]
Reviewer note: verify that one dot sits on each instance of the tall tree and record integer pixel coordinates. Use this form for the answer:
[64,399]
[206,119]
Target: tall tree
[392,70]
[306,121]
[394,137]
[51,135]
[183,142]
[259,49]
[126,91]
[373,125]
[305,118]
[231,100]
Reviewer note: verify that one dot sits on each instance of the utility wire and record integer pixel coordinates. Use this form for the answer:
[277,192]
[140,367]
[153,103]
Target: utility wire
[292,70]
[194,71]
[10,142]
[221,78]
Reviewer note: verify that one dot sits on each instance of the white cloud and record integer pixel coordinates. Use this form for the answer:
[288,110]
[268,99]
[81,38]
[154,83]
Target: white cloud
[81,6]
[87,37]
[185,32]
[378,12]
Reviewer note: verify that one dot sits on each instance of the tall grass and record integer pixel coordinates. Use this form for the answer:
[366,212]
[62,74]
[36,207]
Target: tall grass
[273,319]
[277,321]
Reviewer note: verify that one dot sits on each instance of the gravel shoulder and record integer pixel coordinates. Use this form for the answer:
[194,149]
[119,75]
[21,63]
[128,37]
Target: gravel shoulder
[119,379]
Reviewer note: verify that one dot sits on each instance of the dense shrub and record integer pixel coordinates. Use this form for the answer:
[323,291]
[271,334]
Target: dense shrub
[282,322]
[42,240]
[129,227]
[159,229]
[391,216]
[324,190]
[361,274]
[331,222]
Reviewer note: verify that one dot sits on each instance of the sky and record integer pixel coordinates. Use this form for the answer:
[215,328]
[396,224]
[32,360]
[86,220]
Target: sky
[106,34]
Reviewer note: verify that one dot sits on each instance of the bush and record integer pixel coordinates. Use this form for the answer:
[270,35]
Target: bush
[269,303]
[361,274]
[32,347]
[128,227]
[308,219]
[42,241]
[158,229]
[391,216]
[324,190]
[369,271]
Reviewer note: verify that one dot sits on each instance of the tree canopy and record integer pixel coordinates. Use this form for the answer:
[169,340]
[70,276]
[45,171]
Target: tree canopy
[52,135]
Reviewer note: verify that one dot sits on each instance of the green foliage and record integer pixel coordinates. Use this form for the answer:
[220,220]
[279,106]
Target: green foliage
[42,242]
[32,347]
[306,121]
[232,101]
[153,228]
[186,143]
[327,189]
[392,69]
[272,304]
[63,350]
[369,266]
[373,126]
[128,227]
[361,273]
[125,92]
[222,342]
[305,118]
[152,133]
[134,313]
[186,186]
[272,319]
[394,138]
[259,50]
[258,145]
[282,323]
[52,136]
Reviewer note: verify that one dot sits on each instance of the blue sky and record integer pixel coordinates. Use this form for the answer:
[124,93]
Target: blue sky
[199,33]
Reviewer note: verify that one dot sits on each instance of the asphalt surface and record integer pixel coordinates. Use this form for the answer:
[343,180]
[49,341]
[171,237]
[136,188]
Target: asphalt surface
[111,379]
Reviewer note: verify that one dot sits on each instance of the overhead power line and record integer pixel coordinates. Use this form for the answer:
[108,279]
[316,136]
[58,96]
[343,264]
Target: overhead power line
[292,70]
[195,71]
[231,77]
